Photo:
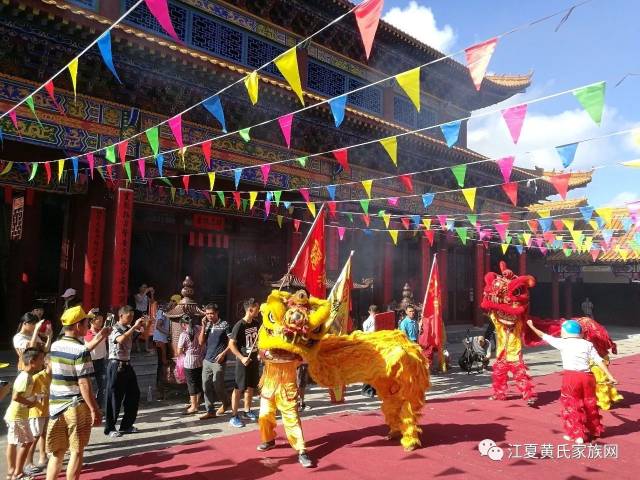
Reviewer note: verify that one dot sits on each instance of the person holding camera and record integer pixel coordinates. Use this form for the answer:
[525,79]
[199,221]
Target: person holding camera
[122,383]
[142,301]
[96,343]
[31,334]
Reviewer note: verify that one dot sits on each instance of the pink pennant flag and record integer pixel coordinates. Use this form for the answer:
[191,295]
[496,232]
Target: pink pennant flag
[206,151]
[407,182]
[332,209]
[543,250]
[285,122]
[122,151]
[14,120]
[49,87]
[305,194]
[185,182]
[595,253]
[501,228]
[175,124]
[92,162]
[367,17]
[265,169]
[160,10]
[342,156]
[141,167]
[267,208]
[341,231]
[406,223]
[478,58]
[514,118]
[296,224]
[442,219]
[506,165]
[561,183]
[393,201]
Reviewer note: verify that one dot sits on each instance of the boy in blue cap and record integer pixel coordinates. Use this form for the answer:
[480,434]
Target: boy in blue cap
[578,394]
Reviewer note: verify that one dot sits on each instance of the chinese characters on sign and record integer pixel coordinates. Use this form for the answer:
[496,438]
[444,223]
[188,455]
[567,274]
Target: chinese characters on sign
[17,216]
[563,451]
[93,258]
[122,247]
[208,222]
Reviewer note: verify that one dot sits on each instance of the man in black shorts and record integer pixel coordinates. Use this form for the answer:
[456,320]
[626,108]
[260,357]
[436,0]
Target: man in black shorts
[243,343]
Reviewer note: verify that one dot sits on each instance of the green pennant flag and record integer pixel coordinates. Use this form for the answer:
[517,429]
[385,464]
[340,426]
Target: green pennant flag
[364,203]
[459,171]
[154,141]
[111,154]
[462,233]
[166,180]
[34,170]
[221,197]
[302,161]
[567,252]
[349,216]
[276,196]
[245,204]
[473,219]
[244,133]
[591,98]
[32,107]
[127,168]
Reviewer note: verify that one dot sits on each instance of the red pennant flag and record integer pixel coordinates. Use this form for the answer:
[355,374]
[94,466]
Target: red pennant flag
[51,91]
[433,336]
[206,151]
[236,198]
[514,118]
[366,219]
[122,151]
[594,253]
[407,182]
[285,122]
[309,263]
[332,209]
[47,168]
[505,217]
[91,160]
[185,182]
[478,57]
[549,237]
[367,18]
[533,225]
[175,124]
[142,167]
[265,169]
[296,224]
[305,194]
[342,158]
[511,190]
[561,182]
[429,234]
[559,224]
[110,172]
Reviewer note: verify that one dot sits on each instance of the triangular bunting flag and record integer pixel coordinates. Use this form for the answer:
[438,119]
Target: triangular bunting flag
[606,213]
[459,171]
[312,208]
[285,122]
[212,180]
[302,161]
[305,194]
[561,183]
[338,106]
[342,156]
[91,161]
[462,233]
[237,199]
[505,247]
[185,182]
[406,223]
[252,199]
[73,71]
[591,98]
[427,223]
[586,212]
[160,163]
[122,150]
[367,186]
[331,189]
[390,145]
[478,58]
[175,124]
[74,165]
[251,84]
[407,182]
[366,219]
[32,107]
[287,63]
[365,205]
[160,10]
[110,153]
[514,118]
[473,219]
[244,134]
[104,45]
[332,209]
[152,137]
[394,236]
[237,174]
[429,235]
[506,165]
[221,198]
[386,218]
[127,169]
[410,83]
[142,167]
[451,132]
[341,231]
[265,169]
[279,218]
[567,153]
[367,18]
[214,107]
[60,169]
[206,151]
[501,228]
[511,190]
[34,170]
[276,195]
[470,196]
[50,88]
[393,201]
[47,169]
[427,199]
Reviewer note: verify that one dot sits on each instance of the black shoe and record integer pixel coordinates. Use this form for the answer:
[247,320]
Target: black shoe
[304,460]
[263,447]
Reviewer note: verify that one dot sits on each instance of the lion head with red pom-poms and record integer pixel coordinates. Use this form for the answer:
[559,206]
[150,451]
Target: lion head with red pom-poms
[507,295]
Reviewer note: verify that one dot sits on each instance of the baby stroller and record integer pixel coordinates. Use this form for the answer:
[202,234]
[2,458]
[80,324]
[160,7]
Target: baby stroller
[477,351]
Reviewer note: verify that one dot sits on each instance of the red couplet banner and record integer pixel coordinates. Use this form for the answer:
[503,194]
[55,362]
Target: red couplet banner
[122,247]
[93,259]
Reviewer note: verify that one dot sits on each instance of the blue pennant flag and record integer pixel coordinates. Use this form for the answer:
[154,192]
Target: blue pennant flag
[607,234]
[1,137]
[286,205]
[367,232]
[627,223]
[269,196]
[600,222]
[237,173]
[338,106]
[74,162]
[104,44]
[450,223]
[160,162]
[567,153]
[214,106]
[451,132]
[416,219]
[557,244]
[427,199]
[519,248]
[545,223]
[587,213]
[636,238]
[332,191]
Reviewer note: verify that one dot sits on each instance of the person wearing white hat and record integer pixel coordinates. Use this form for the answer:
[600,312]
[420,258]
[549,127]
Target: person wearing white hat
[69,296]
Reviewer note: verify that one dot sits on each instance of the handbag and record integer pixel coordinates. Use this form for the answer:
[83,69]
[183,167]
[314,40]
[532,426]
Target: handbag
[179,371]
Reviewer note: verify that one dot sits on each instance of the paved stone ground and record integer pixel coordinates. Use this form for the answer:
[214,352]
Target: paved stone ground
[162,423]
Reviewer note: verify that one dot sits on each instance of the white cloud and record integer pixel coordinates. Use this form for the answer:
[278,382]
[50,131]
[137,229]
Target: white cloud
[625,197]
[419,22]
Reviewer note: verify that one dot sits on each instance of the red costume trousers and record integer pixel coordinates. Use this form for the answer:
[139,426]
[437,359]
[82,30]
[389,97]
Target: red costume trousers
[579,405]
[520,375]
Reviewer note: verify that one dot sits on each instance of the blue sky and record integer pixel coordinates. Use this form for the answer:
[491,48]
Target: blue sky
[599,42]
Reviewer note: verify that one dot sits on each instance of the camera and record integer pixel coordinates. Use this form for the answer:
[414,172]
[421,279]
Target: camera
[110,321]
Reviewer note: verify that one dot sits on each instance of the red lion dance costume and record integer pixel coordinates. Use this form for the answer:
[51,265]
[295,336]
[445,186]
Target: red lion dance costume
[506,301]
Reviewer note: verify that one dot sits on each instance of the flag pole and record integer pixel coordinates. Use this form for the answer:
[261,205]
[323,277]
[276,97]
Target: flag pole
[304,244]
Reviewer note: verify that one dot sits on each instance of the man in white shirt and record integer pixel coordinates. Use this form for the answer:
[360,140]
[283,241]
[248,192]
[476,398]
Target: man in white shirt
[578,393]
[587,307]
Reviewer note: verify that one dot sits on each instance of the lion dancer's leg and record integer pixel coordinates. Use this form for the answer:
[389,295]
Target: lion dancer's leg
[409,427]
[499,378]
[523,381]
[290,417]
[391,411]
[606,393]
[267,420]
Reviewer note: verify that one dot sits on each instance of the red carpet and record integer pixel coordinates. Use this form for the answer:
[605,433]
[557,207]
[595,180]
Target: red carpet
[351,446]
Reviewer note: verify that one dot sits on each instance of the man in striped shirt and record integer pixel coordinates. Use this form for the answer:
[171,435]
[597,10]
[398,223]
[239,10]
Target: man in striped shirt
[72,406]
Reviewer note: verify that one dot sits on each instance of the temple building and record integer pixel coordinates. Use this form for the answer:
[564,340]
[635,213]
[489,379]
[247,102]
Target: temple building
[105,236]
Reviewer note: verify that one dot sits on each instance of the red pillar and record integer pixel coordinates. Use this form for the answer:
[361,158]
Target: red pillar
[425,258]
[568,298]
[479,284]
[122,247]
[442,270]
[522,264]
[387,274]
[93,258]
[487,258]
[555,295]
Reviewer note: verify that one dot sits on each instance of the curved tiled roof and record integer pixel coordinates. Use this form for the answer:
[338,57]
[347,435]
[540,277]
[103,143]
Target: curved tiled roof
[554,205]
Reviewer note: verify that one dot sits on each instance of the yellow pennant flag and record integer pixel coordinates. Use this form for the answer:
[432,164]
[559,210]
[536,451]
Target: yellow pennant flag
[391,146]
[279,218]
[624,253]
[505,247]
[287,63]
[427,223]
[632,163]
[7,169]
[60,169]
[544,213]
[470,196]
[340,299]
[212,180]
[252,199]
[588,242]
[527,238]
[594,225]
[387,218]
[410,83]
[367,186]
[577,237]
[394,236]
[606,213]
[636,138]
[569,223]
[312,208]
[73,71]
[251,83]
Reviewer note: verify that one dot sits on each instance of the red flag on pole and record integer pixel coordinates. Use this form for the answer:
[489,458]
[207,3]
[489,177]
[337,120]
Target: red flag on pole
[309,263]
[433,336]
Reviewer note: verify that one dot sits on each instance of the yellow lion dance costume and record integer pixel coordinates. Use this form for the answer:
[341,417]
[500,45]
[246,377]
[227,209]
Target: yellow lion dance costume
[296,327]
